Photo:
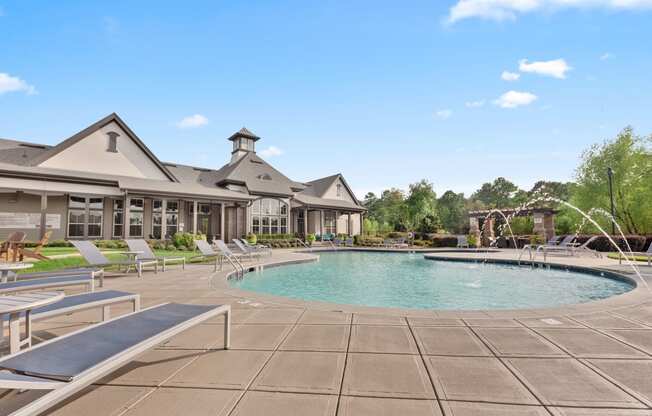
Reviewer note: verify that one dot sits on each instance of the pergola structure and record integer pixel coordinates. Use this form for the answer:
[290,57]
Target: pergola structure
[544,221]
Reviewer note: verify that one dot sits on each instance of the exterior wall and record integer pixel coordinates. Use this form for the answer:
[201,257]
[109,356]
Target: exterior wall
[29,203]
[331,193]
[90,155]
[314,222]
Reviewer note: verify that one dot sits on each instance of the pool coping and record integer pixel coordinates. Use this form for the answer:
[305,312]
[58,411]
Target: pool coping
[638,295]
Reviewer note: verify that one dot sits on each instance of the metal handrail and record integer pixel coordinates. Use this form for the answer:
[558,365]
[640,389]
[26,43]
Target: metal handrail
[236,264]
[303,244]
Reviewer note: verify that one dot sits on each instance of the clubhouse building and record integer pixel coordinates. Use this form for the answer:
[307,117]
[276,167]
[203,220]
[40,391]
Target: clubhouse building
[104,183]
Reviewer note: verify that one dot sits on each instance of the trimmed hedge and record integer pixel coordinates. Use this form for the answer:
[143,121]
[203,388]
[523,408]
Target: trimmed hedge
[638,243]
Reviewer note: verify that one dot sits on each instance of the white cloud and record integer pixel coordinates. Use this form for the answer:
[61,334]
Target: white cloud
[513,99]
[271,151]
[190,122]
[556,68]
[443,114]
[606,56]
[14,84]
[510,76]
[475,104]
[499,10]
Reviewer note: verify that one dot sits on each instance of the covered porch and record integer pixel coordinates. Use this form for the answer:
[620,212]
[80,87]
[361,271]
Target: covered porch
[322,221]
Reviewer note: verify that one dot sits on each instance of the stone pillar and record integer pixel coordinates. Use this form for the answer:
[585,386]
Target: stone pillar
[488,228]
[539,226]
[474,228]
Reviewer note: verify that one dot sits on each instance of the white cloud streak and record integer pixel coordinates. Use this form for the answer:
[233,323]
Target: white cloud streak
[556,68]
[443,114]
[513,99]
[510,76]
[10,83]
[475,104]
[191,122]
[271,151]
[499,10]
[606,56]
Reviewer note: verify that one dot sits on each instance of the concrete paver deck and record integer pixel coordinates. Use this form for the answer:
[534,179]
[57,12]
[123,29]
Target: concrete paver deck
[290,357]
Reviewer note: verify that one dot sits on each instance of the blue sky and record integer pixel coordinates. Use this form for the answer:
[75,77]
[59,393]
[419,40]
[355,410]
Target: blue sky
[385,92]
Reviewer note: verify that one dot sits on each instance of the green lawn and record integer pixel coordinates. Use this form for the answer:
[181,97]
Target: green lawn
[78,261]
[637,258]
[54,251]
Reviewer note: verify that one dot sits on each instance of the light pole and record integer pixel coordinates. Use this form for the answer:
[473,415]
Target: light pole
[610,174]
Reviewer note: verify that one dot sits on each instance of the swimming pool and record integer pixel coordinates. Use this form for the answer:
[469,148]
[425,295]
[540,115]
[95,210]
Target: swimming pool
[409,281]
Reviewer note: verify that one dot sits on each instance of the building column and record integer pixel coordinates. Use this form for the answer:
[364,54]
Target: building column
[164,222]
[125,214]
[337,222]
[362,223]
[305,223]
[222,229]
[348,224]
[44,208]
[194,217]
[237,209]
[321,222]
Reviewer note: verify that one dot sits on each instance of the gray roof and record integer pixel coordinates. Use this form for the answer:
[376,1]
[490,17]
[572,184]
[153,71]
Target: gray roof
[20,153]
[244,132]
[258,176]
[318,187]
[317,202]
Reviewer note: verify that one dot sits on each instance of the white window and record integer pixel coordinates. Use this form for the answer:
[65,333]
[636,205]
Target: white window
[330,222]
[118,218]
[136,217]
[269,216]
[85,217]
[171,218]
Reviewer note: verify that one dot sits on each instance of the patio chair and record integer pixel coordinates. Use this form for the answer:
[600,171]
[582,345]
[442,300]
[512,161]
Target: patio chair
[148,254]
[246,250]
[66,365]
[571,248]
[95,258]
[35,253]
[388,242]
[349,242]
[401,243]
[207,252]
[647,253]
[337,241]
[228,253]
[13,245]
[462,241]
[260,247]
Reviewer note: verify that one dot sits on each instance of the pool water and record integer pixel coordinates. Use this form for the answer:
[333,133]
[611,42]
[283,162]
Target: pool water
[410,281]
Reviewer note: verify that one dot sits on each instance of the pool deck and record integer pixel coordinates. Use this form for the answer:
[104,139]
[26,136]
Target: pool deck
[299,358]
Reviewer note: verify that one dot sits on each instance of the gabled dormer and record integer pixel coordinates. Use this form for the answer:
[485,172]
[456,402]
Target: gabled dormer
[244,142]
[108,146]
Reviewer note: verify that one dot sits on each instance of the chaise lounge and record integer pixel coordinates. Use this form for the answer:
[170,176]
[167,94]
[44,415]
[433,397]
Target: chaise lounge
[95,258]
[65,365]
[148,254]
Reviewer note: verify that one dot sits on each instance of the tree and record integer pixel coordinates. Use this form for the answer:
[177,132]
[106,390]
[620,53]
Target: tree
[630,157]
[452,212]
[499,194]
[421,203]
[390,209]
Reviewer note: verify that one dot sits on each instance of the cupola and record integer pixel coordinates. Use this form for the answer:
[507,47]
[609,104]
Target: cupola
[244,141]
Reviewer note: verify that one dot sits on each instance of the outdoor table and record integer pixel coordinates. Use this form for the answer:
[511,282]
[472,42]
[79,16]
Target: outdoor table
[132,255]
[14,306]
[5,268]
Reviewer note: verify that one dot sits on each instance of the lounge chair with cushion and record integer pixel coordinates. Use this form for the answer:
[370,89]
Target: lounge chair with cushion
[207,252]
[95,258]
[462,241]
[260,247]
[66,365]
[148,254]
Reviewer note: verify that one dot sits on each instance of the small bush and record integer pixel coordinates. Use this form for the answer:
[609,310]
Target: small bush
[59,243]
[472,239]
[602,243]
[185,240]
[443,241]
[252,239]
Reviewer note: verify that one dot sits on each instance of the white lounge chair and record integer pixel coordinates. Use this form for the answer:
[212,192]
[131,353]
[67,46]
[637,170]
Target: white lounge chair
[148,254]
[246,250]
[207,252]
[462,241]
[95,258]
[570,249]
[260,247]
[65,365]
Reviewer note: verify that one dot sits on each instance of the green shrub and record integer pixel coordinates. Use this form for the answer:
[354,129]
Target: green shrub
[252,239]
[310,238]
[536,239]
[444,241]
[472,239]
[59,243]
[420,243]
[185,240]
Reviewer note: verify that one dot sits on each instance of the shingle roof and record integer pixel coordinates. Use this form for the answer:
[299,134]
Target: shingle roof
[318,187]
[257,175]
[20,153]
[317,202]
[244,132]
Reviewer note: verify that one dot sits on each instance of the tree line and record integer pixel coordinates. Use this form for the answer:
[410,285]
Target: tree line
[628,155]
